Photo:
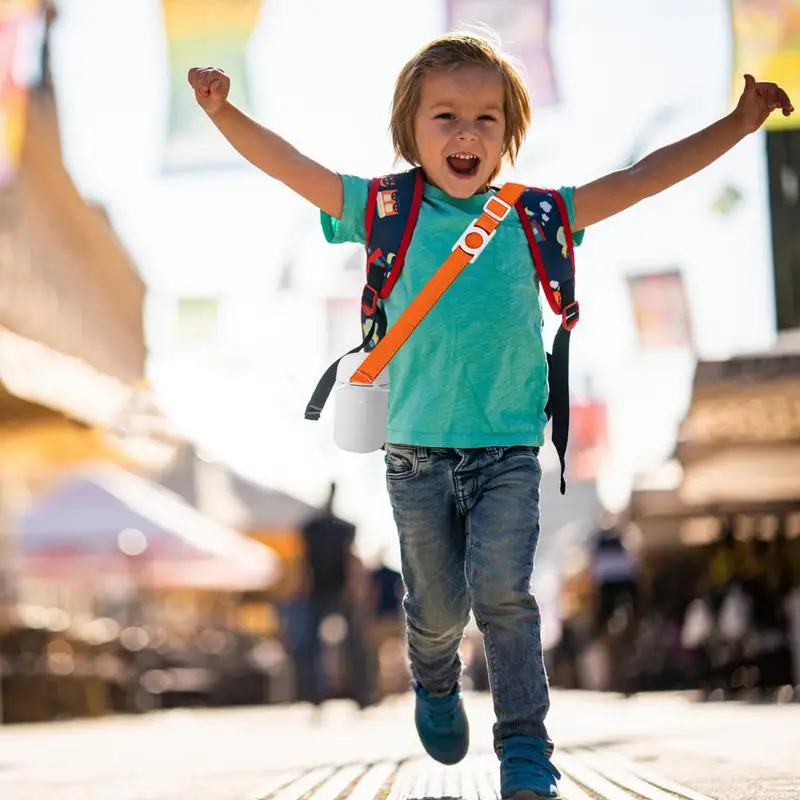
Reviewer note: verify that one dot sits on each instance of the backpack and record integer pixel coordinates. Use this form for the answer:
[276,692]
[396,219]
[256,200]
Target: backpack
[392,209]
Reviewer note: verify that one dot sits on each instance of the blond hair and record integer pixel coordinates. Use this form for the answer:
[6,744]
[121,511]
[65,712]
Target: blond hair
[450,52]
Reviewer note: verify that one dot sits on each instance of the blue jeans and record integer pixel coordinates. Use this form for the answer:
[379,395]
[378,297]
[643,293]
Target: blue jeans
[469,524]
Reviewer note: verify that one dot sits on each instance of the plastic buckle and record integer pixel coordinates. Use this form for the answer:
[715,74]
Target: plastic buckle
[500,215]
[570,315]
[474,230]
[369,300]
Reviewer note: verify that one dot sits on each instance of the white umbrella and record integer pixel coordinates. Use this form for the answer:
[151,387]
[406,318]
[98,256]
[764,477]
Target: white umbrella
[103,516]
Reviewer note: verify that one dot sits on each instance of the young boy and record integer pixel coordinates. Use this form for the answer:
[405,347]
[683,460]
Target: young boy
[469,387]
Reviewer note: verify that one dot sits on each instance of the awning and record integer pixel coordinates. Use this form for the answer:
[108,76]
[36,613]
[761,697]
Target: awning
[740,440]
[105,518]
[37,373]
[753,400]
[745,370]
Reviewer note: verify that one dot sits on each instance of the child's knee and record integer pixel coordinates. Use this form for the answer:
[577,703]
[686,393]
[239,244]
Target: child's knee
[493,601]
[442,624]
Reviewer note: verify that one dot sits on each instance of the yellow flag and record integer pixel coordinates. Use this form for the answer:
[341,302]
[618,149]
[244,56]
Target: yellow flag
[767,45]
[204,33]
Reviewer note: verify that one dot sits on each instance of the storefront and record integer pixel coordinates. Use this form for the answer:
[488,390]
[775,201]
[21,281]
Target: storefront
[72,350]
[726,533]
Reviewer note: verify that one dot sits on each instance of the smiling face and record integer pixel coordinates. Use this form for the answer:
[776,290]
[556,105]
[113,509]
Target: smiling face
[460,127]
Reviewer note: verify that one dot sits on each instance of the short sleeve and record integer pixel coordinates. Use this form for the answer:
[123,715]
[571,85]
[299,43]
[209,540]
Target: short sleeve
[568,193]
[350,228]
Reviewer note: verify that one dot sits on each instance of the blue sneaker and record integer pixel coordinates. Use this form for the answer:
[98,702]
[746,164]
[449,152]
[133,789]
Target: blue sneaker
[442,725]
[526,772]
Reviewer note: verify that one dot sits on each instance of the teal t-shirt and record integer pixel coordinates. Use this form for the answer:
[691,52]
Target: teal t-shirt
[474,373]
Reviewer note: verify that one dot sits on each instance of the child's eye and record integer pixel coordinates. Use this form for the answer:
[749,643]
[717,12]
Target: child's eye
[446,115]
[488,117]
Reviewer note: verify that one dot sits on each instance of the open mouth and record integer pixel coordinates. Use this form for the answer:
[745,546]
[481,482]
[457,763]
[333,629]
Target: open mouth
[464,165]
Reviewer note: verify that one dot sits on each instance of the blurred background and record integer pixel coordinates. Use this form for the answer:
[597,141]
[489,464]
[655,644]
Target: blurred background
[172,532]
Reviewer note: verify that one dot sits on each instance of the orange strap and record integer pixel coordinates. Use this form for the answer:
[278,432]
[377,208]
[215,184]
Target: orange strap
[466,250]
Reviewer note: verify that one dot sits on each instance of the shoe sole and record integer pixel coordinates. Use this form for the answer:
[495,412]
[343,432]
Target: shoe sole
[450,762]
[527,794]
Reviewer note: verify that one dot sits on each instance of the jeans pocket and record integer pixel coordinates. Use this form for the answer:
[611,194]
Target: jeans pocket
[402,461]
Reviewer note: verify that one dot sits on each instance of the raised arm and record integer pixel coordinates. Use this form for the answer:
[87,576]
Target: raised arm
[263,148]
[663,168]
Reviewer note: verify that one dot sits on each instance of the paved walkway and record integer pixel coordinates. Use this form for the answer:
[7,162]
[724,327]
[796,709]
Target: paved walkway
[654,747]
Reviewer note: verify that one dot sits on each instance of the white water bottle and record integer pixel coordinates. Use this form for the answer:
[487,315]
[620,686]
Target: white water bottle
[359,410]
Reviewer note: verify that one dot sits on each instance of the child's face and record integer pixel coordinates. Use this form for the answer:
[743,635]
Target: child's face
[460,128]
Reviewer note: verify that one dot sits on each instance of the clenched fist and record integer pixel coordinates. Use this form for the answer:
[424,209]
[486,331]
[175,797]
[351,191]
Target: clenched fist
[211,87]
[758,101]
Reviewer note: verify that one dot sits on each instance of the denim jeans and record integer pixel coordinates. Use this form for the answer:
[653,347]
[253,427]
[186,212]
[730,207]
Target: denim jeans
[469,524]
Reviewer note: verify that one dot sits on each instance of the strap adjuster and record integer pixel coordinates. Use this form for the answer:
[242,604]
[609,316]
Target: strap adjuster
[570,315]
[369,300]
[497,214]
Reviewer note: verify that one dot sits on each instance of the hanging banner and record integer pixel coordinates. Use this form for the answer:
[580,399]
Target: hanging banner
[766,43]
[17,20]
[588,439]
[524,30]
[204,33]
[198,319]
[661,309]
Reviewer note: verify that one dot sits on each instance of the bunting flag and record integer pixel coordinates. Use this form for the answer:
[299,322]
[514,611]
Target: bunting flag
[198,319]
[18,18]
[661,310]
[766,37]
[588,439]
[524,30]
[204,33]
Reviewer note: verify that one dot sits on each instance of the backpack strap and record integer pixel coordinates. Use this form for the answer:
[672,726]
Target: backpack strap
[469,246]
[393,205]
[391,212]
[544,211]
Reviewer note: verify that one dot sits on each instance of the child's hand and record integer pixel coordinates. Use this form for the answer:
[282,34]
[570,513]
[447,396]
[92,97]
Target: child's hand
[758,101]
[211,87]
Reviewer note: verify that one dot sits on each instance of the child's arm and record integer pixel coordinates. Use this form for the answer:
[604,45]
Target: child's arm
[263,148]
[663,168]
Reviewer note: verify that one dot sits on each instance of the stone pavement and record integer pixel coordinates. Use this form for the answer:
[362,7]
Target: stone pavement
[653,747]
